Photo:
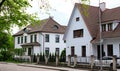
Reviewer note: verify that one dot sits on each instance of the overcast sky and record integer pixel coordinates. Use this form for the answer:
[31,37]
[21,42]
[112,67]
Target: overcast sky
[63,8]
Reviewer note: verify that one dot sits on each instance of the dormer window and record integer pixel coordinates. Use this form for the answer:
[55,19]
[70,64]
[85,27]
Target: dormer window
[77,19]
[55,27]
[103,27]
[110,27]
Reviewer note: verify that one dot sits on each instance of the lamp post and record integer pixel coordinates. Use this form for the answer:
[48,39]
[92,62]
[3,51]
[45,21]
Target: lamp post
[100,37]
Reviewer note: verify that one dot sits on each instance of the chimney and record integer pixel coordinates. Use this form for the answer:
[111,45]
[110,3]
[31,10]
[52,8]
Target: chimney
[103,6]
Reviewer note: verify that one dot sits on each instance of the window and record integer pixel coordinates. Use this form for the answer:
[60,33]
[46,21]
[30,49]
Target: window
[64,41]
[31,38]
[110,27]
[22,39]
[103,27]
[18,38]
[78,33]
[25,39]
[46,37]
[57,38]
[47,51]
[57,51]
[35,38]
[110,49]
[83,51]
[77,19]
[72,51]
[55,27]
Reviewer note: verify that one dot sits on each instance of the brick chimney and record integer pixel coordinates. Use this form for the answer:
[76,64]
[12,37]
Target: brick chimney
[103,6]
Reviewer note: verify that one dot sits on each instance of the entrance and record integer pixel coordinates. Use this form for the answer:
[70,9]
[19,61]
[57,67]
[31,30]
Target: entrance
[98,51]
[29,51]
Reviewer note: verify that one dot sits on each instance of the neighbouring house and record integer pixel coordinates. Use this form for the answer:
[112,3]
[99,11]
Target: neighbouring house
[37,38]
[82,33]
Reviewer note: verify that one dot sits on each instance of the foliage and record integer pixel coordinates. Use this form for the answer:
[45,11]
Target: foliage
[6,41]
[63,56]
[42,57]
[18,51]
[12,12]
[5,55]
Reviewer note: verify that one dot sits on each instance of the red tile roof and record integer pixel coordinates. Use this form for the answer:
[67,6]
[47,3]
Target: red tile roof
[44,26]
[92,21]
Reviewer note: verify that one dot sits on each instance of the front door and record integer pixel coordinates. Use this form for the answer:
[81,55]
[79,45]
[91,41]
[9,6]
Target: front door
[110,50]
[29,51]
[98,51]
[72,51]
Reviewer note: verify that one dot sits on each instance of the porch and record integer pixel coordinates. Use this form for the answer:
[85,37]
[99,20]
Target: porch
[31,48]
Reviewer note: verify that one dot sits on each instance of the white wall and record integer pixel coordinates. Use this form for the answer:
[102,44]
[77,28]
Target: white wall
[116,46]
[81,41]
[28,39]
[52,44]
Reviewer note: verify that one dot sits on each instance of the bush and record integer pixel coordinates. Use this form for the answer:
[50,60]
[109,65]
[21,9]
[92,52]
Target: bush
[6,55]
[63,56]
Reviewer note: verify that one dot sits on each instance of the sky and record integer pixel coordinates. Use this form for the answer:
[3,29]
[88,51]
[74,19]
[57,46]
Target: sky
[62,9]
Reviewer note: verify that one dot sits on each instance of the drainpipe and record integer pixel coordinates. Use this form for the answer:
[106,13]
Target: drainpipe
[100,37]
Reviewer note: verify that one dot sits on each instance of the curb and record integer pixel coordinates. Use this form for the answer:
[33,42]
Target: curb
[41,67]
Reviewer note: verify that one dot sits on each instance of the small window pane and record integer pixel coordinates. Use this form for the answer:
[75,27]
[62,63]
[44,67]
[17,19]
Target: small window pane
[46,37]
[25,39]
[78,33]
[57,38]
[110,27]
[103,27]
[31,38]
[18,40]
[22,39]
[35,38]
[77,19]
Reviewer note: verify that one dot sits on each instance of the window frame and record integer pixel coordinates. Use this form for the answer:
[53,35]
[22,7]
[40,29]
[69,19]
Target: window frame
[47,38]
[57,38]
[78,33]
[25,39]
[21,39]
[103,27]
[35,38]
[110,26]
[77,19]
[31,38]
[18,40]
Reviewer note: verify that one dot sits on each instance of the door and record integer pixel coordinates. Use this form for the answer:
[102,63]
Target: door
[98,51]
[83,51]
[110,50]
[29,51]
[72,51]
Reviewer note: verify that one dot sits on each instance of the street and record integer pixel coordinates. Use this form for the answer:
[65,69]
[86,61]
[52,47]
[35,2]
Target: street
[29,67]
[14,67]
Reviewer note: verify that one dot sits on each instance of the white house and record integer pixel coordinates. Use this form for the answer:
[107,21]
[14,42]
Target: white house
[82,33]
[35,39]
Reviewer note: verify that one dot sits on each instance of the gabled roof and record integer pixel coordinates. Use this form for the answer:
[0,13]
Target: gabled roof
[92,20]
[44,26]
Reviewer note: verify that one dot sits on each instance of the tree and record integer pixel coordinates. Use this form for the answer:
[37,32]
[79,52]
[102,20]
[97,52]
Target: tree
[12,12]
[6,41]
